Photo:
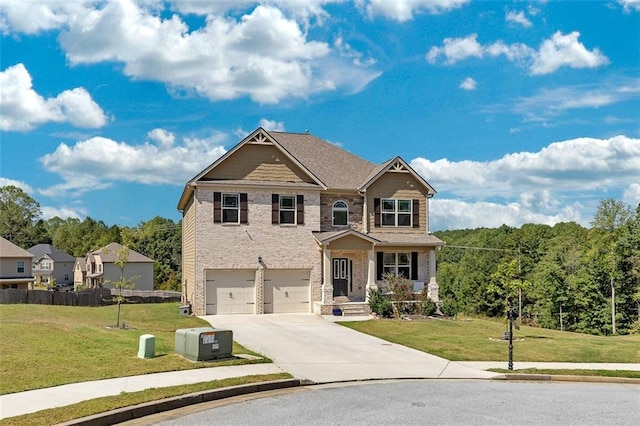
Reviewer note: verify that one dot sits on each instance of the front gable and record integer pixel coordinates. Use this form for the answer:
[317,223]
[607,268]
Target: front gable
[258,162]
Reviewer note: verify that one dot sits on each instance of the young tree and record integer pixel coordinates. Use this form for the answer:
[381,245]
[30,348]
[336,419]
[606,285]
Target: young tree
[609,221]
[122,258]
[19,214]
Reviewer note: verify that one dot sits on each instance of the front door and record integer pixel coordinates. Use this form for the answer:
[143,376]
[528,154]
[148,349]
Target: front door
[340,277]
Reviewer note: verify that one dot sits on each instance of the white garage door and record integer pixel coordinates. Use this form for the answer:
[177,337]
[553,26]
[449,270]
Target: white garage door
[230,292]
[286,291]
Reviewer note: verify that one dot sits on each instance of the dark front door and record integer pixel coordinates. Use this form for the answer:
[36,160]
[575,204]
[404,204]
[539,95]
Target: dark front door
[340,277]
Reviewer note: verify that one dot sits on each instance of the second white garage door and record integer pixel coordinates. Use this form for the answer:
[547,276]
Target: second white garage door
[286,291]
[231,292]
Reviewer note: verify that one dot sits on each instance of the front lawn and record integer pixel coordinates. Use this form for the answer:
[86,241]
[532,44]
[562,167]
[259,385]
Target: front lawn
[471,339]
[45,345]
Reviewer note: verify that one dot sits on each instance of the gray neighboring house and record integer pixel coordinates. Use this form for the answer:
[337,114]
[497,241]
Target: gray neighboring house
[287,222]
[101,269]
[15,266]
[51,264]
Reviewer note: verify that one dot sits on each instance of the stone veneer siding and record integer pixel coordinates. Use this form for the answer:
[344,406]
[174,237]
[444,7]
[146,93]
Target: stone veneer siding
[354,220]
[231,246]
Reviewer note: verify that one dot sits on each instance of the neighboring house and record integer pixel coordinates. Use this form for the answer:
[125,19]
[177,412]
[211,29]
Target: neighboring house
[102,271]
[15,266]
[51,265]
[79,272]
[287,222]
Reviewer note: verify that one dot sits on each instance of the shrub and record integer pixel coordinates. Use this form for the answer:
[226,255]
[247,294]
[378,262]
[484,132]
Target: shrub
[429,307]
[401,290]
[380,304]
[449,307]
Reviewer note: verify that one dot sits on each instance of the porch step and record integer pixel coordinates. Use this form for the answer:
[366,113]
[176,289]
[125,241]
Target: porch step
[354,309]
[341,299]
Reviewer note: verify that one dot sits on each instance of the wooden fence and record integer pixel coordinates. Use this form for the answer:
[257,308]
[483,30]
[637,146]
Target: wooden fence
[88,297]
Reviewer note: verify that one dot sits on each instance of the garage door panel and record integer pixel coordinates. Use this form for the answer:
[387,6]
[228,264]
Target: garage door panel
[230,292]
[286,291]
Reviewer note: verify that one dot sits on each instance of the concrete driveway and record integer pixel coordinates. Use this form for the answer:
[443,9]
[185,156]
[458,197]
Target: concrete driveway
[316,349]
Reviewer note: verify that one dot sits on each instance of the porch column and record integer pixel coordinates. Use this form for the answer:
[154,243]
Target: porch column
[327,284]
[432,289]
[371,273]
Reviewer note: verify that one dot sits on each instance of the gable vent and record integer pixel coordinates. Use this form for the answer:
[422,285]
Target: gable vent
[259,139]
[398,167]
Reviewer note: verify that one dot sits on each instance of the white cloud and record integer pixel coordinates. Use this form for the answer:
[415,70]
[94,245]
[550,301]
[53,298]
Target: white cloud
[558,51]
[263,54]
[468,84]
[538,186]
[631,195]
[518,18]
[23,108]
[458,214]
[630,5]
[403,10]
[98,162]
[277,126]
[17,183]
[29,17]
[49,212]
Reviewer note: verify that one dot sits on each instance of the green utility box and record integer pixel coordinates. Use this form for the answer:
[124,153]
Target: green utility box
[204,343]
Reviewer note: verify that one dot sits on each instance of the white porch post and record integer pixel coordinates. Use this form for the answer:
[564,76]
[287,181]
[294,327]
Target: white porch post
[327,284]
[371,273]
[432,289]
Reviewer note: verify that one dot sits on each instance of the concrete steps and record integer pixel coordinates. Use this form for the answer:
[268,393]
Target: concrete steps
[351,309]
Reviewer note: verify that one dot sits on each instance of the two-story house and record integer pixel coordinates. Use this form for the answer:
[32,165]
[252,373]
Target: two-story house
[51,265]
[287,222]
[99,268]
[15,266]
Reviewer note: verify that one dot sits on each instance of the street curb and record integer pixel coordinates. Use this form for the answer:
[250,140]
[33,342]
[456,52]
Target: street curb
[154,407]
[568,378]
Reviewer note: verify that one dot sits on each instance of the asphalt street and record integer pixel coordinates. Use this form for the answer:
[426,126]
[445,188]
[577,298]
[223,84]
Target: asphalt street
[441,402]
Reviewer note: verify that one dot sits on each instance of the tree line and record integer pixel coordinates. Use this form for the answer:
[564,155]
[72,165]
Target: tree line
[159,238]
[565,276]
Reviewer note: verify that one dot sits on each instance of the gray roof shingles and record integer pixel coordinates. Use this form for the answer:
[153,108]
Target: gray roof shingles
[54,253]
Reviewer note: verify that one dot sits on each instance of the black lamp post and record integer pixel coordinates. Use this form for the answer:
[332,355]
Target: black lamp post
[512,315]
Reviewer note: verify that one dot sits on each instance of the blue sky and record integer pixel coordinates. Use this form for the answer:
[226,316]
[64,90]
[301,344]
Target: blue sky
[516,112]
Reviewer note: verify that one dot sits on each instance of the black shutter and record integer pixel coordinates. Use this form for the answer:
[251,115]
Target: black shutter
[416,213]
[300,209]
[376,211]
[414,265]
[275,208]
[379,265]
[217,207]
[243,208]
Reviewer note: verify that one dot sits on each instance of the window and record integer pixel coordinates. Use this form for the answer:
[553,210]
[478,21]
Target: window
[287,209]
[396,212]
[230,208]
[397,264]
[45,266]
[340,213]
[20,266]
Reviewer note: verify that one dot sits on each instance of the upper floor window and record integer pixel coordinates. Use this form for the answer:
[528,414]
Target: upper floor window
[20,266]
[396,212]
[230,207]
[287,209]
[45,265]
[340,213]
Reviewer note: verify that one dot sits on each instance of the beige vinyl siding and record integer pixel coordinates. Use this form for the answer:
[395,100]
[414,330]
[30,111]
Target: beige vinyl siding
[259,163]
[399,186]
[350,242]
[188,251]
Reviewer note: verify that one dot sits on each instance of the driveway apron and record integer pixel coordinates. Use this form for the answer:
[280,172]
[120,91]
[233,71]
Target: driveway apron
[313,348]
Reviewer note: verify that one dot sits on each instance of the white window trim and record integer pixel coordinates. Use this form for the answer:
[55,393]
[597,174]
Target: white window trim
[395,213]
[223,208]
[396,265]
[341,209]
[294,209]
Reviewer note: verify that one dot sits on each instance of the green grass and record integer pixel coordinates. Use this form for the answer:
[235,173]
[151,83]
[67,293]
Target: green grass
[101,405]
[480,340]
[576,372]
[45,346]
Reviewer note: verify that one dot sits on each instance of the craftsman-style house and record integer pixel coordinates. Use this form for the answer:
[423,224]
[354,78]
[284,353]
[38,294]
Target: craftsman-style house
[287,222]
